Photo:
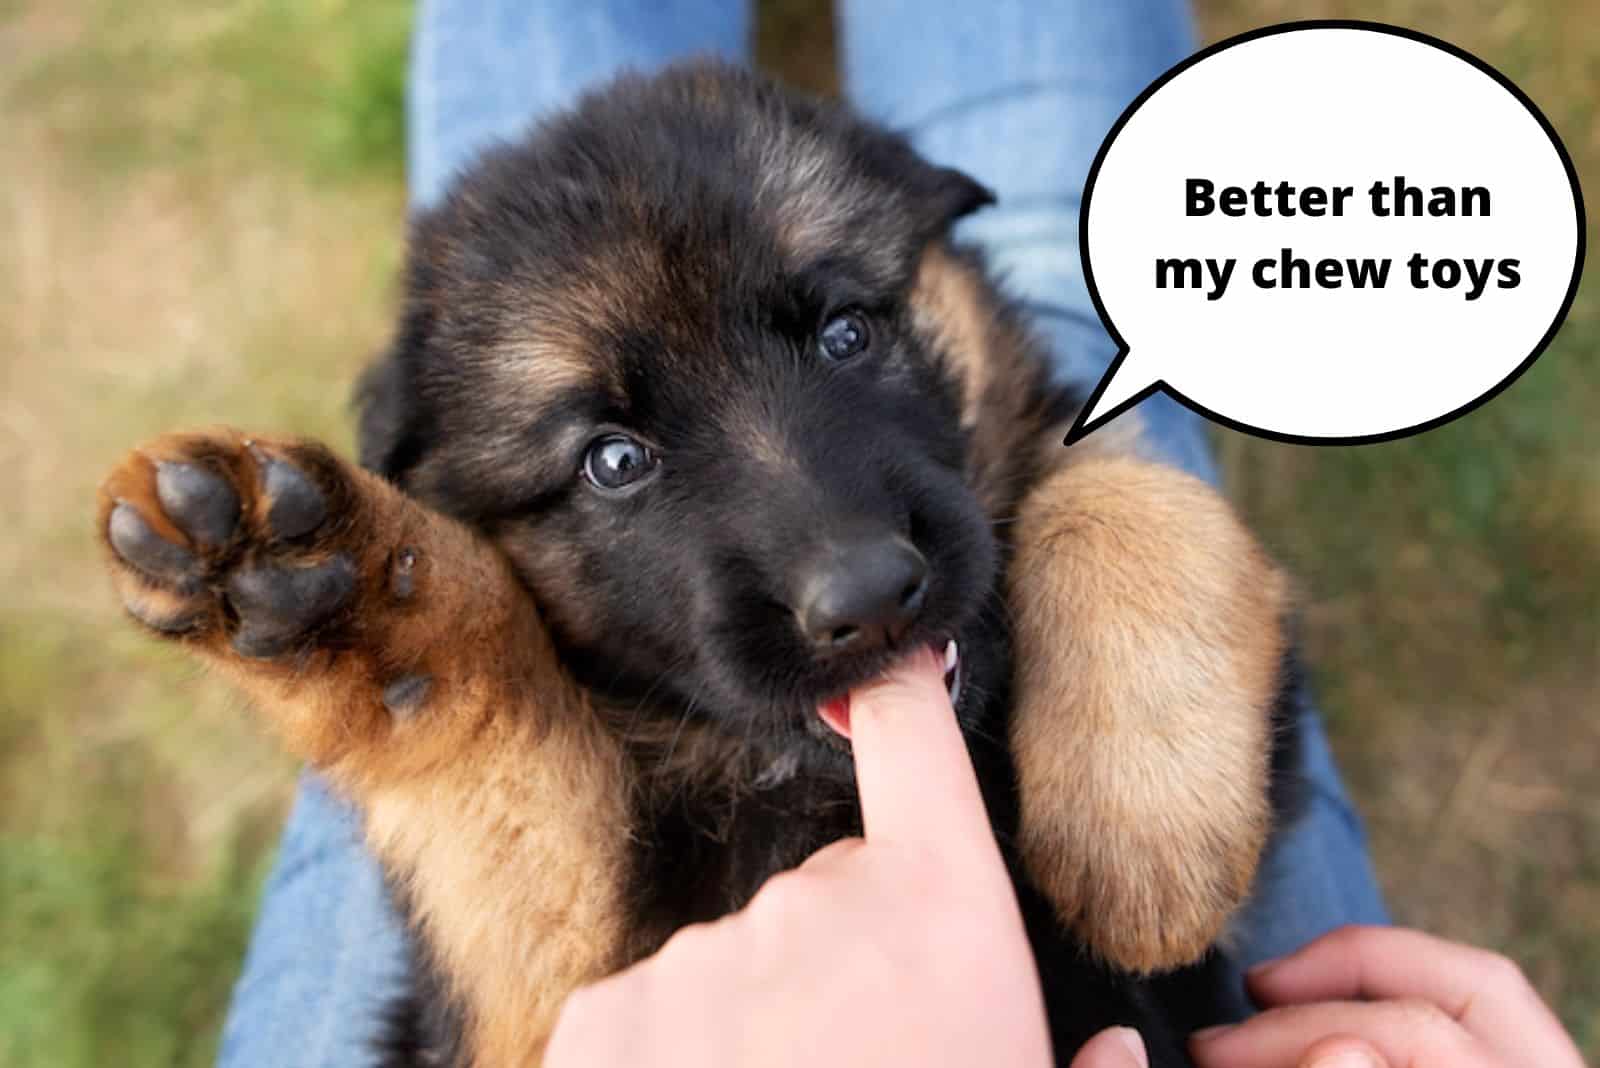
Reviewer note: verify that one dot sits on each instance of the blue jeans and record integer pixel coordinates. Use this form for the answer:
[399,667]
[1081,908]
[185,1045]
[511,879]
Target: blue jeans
[1017,94]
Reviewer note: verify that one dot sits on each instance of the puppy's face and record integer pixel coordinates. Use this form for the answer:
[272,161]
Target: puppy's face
[666,354]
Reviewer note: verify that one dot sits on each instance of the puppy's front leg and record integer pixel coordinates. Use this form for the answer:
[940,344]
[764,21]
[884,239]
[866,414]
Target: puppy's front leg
[394,649]
[1150,642]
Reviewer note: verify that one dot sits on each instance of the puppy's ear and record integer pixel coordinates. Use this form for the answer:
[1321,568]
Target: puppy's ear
[944,194]
[393,422]
[388,432]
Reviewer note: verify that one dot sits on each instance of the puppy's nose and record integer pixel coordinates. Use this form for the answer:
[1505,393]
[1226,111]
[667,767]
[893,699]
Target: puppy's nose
[863,593]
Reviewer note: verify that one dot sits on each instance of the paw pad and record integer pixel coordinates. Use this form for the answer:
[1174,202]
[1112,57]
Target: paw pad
[296,507]
[277,606]
[200,502]
[214,532]
[138,543]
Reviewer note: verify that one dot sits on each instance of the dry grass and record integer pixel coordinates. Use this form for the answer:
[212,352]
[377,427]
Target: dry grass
[200,209]
[1453,584]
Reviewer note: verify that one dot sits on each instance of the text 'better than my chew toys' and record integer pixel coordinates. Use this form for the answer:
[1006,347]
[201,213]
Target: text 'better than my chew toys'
[1328,233]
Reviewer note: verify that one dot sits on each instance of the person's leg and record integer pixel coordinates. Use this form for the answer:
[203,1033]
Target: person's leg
[328,952]
[1019,95]
[483,69]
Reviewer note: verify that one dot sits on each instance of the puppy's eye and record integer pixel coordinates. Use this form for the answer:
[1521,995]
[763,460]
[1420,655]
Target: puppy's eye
[616,461]
[843,336]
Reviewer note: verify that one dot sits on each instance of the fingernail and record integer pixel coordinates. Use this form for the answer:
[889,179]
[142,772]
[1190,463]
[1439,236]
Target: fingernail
[1258,971]
[924,666]
[1130,1040]
[1347,1058]
[1207,1034]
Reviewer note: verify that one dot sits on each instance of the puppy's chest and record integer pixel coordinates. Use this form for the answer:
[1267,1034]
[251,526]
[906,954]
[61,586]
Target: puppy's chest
[702,850]
[703,845]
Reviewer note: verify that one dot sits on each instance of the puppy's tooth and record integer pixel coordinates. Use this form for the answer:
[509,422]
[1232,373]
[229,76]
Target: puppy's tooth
[952,655]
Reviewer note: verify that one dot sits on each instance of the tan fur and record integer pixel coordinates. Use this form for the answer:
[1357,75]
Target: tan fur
[547,340]
[1123,437]
[500,803]
[992,357]
[550,366]
[762,443]
[807,191]
[1149,645]
[551,343]
[950,303]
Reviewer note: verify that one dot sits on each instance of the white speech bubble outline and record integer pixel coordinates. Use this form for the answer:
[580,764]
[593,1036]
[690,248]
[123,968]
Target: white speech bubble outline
[1090,418]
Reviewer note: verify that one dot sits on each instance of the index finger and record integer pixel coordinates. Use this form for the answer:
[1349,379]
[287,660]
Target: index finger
[1484,991]
[913,771]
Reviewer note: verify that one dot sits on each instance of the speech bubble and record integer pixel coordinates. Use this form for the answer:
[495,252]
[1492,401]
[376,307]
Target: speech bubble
[1328,232]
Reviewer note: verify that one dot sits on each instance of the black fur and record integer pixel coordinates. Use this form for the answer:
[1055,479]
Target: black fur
[660,236]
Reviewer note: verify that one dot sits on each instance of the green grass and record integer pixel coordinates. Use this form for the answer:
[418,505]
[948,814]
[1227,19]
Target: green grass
[303,83]
[104,962]
[200,221]
[123,920]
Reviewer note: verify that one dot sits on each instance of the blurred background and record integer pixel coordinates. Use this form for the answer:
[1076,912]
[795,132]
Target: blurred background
[201,207]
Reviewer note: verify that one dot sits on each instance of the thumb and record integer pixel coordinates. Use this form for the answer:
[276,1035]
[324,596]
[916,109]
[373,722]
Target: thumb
[1341,1051]
[1115,1047]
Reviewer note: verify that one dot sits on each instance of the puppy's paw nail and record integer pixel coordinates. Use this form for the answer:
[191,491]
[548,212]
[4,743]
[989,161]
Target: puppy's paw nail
[402,577]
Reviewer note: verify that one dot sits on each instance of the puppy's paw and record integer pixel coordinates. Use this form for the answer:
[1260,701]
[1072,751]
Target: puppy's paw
[1150,644]
[220,538]
[370,630]
[1143,891]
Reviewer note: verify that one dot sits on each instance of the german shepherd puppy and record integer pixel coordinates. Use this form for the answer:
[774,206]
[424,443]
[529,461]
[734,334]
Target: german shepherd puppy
[695,419]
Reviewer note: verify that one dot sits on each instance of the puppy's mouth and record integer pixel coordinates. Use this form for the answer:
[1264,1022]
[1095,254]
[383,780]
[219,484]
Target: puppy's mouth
[835,712]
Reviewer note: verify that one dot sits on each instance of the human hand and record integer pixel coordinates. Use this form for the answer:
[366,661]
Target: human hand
[1384,997]
[905,947]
